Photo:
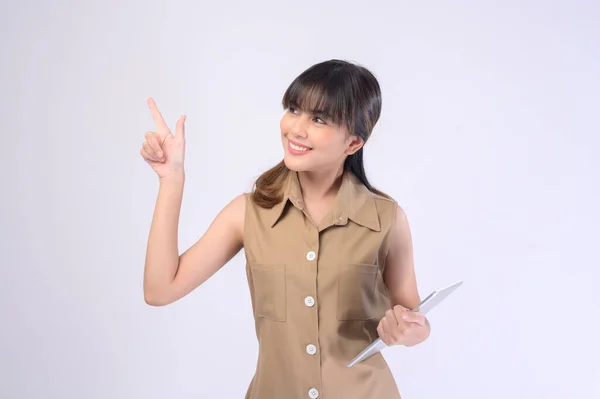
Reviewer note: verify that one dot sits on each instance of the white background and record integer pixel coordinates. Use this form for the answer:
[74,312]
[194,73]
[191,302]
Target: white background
[488,139]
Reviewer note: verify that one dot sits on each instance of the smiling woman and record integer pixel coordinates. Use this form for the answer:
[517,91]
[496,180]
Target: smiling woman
[341,102]
[328,257]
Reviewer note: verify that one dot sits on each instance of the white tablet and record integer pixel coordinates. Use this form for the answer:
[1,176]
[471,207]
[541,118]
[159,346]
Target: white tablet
[425,306]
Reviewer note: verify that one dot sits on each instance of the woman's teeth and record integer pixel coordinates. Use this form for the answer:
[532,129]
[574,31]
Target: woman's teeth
[297,148]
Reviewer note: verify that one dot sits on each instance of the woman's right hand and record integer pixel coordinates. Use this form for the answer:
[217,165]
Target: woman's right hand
[164,151]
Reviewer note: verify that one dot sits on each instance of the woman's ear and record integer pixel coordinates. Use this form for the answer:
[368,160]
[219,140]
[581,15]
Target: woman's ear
[355,144]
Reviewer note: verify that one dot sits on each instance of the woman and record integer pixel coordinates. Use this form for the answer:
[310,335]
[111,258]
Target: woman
[329,257]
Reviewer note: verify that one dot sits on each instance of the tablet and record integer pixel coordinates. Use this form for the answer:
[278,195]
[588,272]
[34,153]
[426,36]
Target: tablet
[425,306]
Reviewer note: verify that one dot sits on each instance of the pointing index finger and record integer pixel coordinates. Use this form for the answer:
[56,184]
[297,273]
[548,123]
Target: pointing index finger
[161,125]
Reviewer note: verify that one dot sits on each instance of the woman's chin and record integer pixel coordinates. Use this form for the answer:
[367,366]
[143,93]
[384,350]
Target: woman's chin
[295,164]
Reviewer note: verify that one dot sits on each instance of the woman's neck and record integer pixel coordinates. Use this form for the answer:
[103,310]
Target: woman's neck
[320,185]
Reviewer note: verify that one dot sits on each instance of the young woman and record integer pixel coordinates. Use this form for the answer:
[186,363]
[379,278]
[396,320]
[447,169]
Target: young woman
[329,257]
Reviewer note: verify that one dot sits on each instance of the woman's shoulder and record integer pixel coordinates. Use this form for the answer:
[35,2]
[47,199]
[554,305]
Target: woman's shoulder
[384,200]
[235,210]
[381,196]
[387,204]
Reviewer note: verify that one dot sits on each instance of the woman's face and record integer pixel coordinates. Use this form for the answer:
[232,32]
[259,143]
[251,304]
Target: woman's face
[311,142]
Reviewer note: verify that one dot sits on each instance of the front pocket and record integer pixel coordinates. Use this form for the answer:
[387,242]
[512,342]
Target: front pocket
[268,283]
[356,299]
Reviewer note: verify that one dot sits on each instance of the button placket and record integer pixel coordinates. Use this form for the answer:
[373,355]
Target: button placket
[310,301]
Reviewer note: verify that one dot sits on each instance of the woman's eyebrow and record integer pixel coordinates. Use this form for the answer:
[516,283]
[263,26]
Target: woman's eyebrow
[321,113]
[316,112]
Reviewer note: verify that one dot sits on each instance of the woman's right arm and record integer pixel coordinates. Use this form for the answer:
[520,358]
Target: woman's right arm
[168,276]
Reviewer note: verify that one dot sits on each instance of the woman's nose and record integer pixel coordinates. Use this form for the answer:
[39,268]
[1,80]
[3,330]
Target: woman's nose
[299,129]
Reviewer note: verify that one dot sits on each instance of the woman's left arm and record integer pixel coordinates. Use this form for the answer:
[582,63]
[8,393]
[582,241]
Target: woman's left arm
[401,326]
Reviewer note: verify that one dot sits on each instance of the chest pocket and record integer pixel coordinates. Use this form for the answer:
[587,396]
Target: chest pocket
[268,283]
[356,296]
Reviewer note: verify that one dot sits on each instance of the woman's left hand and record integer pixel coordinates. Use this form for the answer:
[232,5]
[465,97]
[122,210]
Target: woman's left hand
[401,326]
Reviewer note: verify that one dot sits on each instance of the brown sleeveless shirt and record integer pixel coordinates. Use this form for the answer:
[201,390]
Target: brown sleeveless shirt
[318,294]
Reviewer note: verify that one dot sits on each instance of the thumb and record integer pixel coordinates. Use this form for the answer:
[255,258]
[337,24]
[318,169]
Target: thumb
[180,128]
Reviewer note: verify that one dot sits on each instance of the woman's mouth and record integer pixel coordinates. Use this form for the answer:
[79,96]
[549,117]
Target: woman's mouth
[297,148]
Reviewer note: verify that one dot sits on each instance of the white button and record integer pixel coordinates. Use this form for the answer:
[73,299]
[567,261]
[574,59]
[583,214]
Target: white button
[313,393]
[309,301]
[311,349]
[311,256]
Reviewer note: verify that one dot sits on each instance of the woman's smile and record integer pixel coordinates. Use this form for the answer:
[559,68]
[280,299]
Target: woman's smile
[297,148]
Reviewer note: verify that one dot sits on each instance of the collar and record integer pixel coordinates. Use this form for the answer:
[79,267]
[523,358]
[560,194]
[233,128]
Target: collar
[353,202]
